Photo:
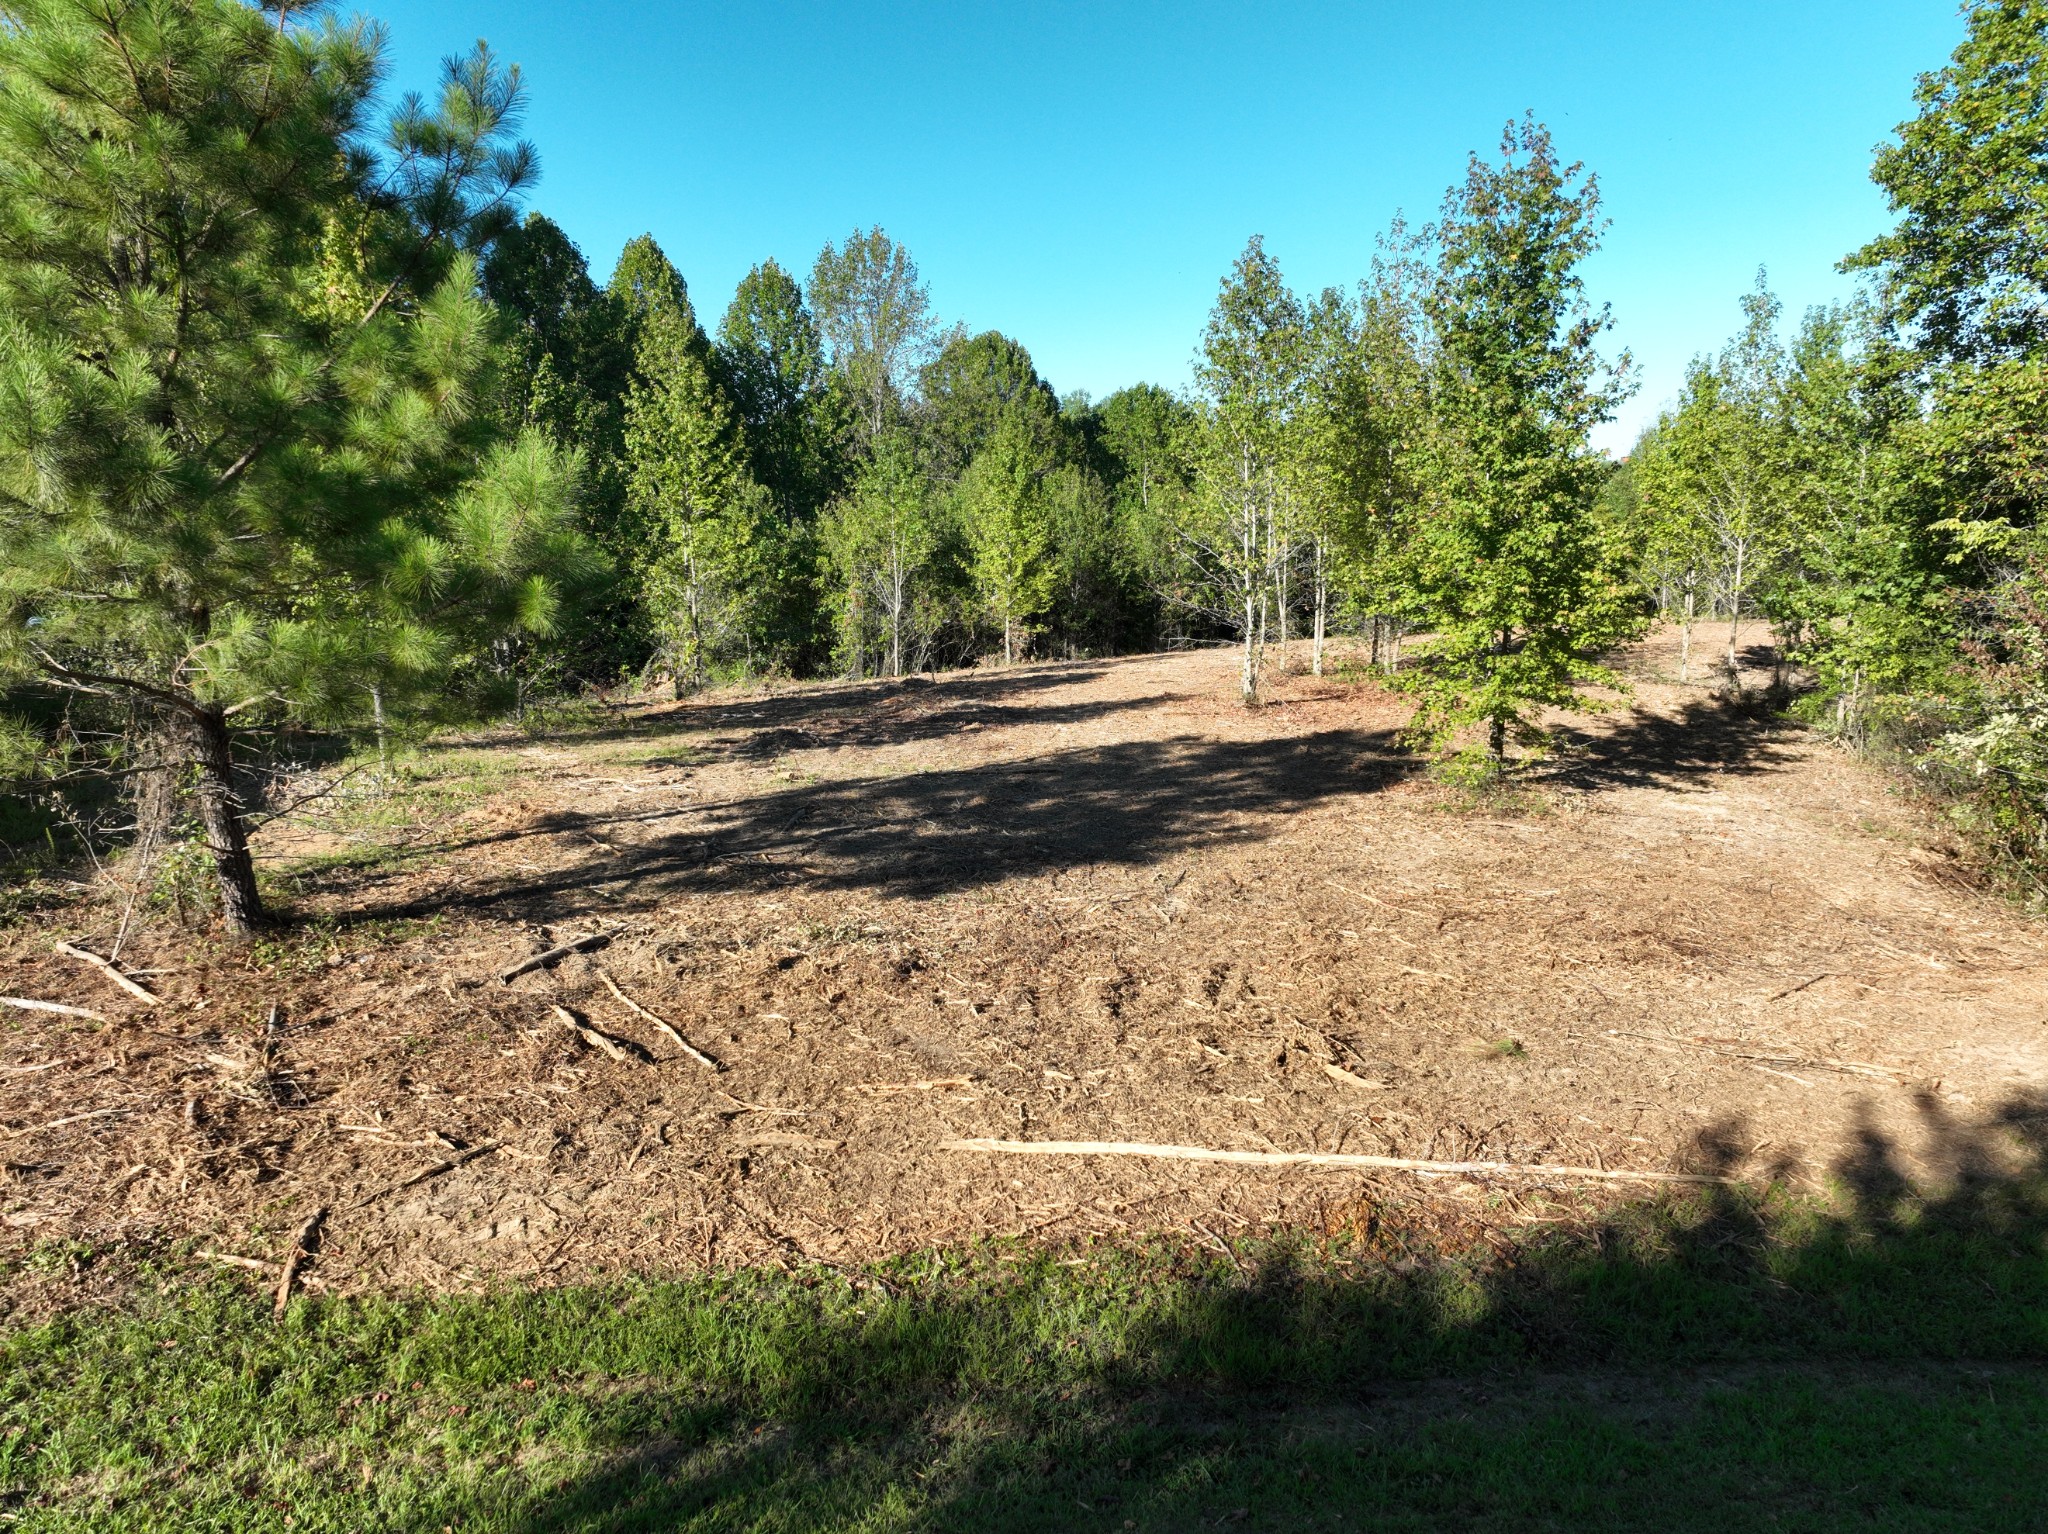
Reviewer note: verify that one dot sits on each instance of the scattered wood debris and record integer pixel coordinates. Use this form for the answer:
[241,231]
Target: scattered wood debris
[1736,1049]
[791,1141]
[560,951]
[621,1050]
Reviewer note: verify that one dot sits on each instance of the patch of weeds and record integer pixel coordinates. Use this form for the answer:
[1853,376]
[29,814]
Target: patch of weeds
[185,882]
[657,743]
[1495,1049]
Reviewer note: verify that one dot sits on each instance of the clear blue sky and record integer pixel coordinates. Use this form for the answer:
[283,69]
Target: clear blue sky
[1081,174]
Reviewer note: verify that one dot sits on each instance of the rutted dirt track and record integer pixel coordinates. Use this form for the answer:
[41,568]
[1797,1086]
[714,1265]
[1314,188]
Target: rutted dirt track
[1095,901]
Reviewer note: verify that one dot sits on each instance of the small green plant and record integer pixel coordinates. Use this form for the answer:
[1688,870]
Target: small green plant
[184,881]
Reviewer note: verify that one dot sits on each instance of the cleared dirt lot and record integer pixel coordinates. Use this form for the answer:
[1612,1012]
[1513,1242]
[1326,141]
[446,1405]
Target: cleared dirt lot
[1094,901]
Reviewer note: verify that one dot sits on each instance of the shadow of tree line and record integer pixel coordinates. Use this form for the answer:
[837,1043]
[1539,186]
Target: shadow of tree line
[933,832]
[1002,1397]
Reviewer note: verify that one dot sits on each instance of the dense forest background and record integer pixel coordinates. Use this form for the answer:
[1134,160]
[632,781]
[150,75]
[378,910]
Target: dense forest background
[306,425]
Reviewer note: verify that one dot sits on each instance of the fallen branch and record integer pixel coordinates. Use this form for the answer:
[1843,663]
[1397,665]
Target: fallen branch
[75,1118]
[559,951]
[30,1004]
[427,1173]
[293,1257]
[1806,1062]
[1794,990]
[883,1088]
[680,1042]
[1315,1159]
[1339,1074]
[106,967]
[257,1265]
[620,1050]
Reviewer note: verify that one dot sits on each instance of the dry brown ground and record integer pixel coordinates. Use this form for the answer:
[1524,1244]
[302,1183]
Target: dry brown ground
[1102,901]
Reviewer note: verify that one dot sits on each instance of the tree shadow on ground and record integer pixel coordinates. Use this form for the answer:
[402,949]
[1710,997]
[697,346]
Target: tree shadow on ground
[1005,1404]
[927,833]
[876,713]
[1705,740]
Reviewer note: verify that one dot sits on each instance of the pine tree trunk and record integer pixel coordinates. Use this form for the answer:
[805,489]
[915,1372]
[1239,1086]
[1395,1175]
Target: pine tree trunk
[153,790]
[220,816]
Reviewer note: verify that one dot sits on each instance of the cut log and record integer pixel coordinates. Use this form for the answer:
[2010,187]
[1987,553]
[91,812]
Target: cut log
[1317,1159]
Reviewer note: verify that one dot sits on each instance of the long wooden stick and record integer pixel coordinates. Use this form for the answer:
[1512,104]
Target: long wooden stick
[1314,1159]
[680,1042]
[559,951]
[107,968]
[30,1004]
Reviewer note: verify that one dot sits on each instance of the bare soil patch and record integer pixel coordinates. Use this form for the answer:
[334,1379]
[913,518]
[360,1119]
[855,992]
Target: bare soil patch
[1091,901]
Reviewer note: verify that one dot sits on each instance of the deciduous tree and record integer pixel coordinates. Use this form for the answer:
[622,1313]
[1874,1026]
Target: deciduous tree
[1506,562]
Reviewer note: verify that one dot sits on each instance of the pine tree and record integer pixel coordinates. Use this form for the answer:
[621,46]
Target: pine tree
[686,467]
[1506,560]
[246,464]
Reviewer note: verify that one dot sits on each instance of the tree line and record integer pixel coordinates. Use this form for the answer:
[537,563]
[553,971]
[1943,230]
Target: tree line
[306,426]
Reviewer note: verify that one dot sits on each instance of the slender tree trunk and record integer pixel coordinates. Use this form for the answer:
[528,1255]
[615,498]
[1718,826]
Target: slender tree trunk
[897,582]
[1735,623]
[1248,683]
[221,817]
[377,717]
[1497,726]
[1322,602]
[1685,637]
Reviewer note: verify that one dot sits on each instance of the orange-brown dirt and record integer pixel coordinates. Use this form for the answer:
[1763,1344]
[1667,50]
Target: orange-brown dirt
[1086,901]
